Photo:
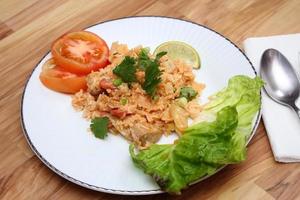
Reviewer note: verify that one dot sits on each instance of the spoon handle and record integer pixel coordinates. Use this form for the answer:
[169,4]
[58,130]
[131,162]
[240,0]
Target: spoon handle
[297,110]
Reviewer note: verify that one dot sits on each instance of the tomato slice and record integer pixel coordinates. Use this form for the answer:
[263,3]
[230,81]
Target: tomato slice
[60,80]
[80,52]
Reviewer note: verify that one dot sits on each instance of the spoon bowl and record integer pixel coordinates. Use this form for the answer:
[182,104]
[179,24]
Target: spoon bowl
[282,83]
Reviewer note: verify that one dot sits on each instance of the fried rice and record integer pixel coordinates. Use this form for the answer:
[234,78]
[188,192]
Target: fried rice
[131,111]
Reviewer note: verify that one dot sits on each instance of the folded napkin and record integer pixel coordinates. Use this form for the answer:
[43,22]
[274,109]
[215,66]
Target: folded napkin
[281,122]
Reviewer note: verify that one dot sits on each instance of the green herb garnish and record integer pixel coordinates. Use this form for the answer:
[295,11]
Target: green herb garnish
[159,55]
[143,59]
[152,78]
[188,92]
[152,74]
[99,127]
[126,70]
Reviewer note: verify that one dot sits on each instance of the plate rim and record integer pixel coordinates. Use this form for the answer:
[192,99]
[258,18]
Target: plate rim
[115,191]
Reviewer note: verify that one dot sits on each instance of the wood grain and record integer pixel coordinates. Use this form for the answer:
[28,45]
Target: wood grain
[27,28]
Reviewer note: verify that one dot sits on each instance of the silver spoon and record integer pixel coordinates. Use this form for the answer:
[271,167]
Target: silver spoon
[282,83]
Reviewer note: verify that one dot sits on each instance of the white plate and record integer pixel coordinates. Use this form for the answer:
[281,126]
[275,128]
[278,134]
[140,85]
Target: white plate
[59,136]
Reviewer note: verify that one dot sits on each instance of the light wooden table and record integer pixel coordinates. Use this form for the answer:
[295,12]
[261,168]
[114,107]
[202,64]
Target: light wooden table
[27,28]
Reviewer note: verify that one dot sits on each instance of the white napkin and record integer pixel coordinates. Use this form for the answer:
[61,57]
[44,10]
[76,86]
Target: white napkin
[282,123]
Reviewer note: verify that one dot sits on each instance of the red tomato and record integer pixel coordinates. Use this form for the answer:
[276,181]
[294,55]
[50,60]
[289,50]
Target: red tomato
[60,80]
[80,52]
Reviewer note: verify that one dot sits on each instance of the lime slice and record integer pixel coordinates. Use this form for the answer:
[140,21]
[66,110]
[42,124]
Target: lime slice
[180,50]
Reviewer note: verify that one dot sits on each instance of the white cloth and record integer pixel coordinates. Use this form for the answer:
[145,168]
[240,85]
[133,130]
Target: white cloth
[281,122]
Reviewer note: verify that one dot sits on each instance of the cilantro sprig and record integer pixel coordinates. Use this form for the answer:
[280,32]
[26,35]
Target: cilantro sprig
[126,70]
[152,75]
[143,59]
[99,126]
[152,78]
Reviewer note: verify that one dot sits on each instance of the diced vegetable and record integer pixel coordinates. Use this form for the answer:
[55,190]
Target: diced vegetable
[188,92]
[124,101]
[117,82]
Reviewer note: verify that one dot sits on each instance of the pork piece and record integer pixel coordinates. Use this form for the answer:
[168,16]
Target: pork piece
[144,134]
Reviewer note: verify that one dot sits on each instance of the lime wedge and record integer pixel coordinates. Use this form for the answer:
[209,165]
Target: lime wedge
[180,50]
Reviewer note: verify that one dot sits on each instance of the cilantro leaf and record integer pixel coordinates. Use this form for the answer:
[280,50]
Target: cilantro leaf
[152,72]
[99,127]
[152,78]
[188,92]
[159,55]
[143,59]
[126,70]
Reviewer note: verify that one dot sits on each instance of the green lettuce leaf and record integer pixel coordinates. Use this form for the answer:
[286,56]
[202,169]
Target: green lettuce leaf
[199,152]
[242,92]
[206,146]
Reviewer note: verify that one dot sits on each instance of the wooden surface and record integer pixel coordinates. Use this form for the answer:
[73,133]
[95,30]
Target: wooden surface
[27,28]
